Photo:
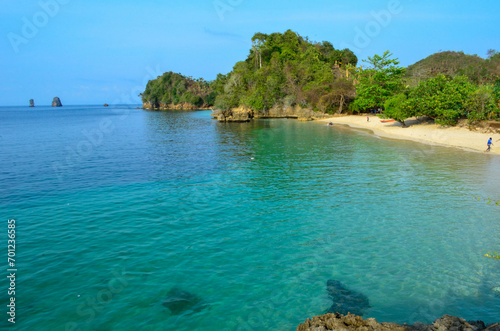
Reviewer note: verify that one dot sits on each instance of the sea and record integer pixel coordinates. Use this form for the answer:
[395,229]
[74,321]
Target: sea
[127,219]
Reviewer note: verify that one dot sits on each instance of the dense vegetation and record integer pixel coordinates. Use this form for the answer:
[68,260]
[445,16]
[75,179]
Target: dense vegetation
[285,69]
[173,89]
[447,95]
[446,98]
[477,69]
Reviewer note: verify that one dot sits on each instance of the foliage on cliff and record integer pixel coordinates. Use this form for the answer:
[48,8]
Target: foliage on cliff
[285,69]
[173,89]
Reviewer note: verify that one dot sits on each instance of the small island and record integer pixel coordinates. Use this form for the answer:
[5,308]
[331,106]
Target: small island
[178,92]
[32,103]
[56,102]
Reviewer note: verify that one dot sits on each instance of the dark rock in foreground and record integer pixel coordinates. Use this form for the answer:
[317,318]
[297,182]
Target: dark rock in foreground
[179,301]
[352,322]
[56,102]
[32,103]
[346,301]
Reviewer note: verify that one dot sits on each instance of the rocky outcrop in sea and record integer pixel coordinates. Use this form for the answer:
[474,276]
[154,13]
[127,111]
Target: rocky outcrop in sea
[245,114]
[347,322]
[56,102]
[32,103]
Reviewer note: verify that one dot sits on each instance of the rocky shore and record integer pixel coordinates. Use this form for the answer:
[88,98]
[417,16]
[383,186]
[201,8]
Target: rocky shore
[245,114]
[353,322]
[180,106]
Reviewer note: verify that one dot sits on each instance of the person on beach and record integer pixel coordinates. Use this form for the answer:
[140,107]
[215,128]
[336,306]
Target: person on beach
[368,118]
[490,142]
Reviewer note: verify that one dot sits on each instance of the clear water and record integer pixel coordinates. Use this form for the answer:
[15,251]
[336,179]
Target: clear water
[116,206]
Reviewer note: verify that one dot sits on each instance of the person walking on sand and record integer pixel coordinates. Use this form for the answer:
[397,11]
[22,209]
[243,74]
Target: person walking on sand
[490,142]
[368,118]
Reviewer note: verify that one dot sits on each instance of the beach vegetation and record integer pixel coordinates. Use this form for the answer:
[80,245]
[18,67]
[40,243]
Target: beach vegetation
[382,80]
[398,108]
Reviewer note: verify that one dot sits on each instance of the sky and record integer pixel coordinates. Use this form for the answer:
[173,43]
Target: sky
[96,52]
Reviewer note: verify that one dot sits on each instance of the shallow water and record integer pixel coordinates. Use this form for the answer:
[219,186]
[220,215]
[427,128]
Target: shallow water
[116,207]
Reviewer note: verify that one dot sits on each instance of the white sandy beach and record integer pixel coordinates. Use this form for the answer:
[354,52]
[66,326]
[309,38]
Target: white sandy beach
[422,132]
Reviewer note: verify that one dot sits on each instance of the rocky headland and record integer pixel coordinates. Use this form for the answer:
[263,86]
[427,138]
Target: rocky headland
[245,114]
[56,102]
[180,106]
[341,322]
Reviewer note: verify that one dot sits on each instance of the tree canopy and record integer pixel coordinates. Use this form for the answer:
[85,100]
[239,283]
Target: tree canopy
[172,89]
[285,69]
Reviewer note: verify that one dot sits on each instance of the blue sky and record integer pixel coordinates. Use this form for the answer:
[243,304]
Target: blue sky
[95,52]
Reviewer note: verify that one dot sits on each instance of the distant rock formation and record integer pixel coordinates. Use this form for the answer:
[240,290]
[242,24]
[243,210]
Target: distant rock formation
[106,105]
[56,102]
[245,114]
[352,322]
[32,103]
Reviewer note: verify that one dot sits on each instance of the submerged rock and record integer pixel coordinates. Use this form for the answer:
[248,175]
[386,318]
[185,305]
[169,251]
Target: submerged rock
[32,103]
[352,322]
[179,301]
[345,300]
[56,102]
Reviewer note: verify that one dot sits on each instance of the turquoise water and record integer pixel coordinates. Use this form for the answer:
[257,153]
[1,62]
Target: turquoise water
[115,207]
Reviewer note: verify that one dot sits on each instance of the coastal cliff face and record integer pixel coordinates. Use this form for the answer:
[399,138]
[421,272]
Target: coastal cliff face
[180,106]
[352,322]
[245,114]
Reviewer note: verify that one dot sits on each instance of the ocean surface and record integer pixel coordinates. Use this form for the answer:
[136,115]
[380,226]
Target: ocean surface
[120,212]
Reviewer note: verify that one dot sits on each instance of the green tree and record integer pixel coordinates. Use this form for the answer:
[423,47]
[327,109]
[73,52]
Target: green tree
[399,108]
[379,82]
[442,98]
[480,105]
[285,69]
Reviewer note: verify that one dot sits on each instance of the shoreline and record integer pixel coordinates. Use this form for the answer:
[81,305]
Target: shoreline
[427,133]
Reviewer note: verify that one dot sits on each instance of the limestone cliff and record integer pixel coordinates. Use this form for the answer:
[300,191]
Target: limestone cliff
[180,106]
[245,114]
